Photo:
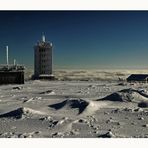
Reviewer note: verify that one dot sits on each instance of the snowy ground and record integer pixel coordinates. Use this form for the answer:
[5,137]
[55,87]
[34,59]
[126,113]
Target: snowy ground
[74,109]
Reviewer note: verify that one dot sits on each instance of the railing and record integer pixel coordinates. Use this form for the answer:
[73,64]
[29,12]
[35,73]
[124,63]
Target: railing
[11,67]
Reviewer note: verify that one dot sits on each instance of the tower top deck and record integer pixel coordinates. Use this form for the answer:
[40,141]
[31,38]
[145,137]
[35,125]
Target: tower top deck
[44,43]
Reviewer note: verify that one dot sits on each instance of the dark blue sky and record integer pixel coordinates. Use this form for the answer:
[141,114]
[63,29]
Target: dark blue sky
[81,39]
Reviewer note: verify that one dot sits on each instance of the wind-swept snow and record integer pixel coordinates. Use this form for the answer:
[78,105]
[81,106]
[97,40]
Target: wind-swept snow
[100,109]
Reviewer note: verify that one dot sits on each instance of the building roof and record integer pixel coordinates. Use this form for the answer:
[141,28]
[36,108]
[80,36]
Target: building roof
[137,77]
[42,44]
[10,68]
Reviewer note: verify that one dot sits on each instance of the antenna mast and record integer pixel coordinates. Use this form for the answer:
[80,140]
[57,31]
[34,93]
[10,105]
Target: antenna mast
[14,62]
[43,38]
[7,59]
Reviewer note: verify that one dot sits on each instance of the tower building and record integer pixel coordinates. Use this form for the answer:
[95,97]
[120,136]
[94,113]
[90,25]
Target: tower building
[43,59]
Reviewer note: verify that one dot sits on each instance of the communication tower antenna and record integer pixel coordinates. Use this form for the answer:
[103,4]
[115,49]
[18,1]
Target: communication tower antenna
[7,59]
[14,62]
[43,38]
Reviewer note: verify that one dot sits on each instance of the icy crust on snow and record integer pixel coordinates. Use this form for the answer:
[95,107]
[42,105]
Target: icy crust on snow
[51,109]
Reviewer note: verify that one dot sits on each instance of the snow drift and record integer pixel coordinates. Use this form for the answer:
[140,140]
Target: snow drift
[127,95]
[20,112]
[71,104]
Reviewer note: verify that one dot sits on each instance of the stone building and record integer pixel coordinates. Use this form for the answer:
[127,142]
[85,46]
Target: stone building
[43,60]
[11,73]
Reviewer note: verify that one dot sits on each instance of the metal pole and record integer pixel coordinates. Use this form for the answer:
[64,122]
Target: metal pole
[14,62]
[7,60]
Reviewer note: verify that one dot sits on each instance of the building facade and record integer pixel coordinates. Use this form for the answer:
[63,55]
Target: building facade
[11,73]
[43,59]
